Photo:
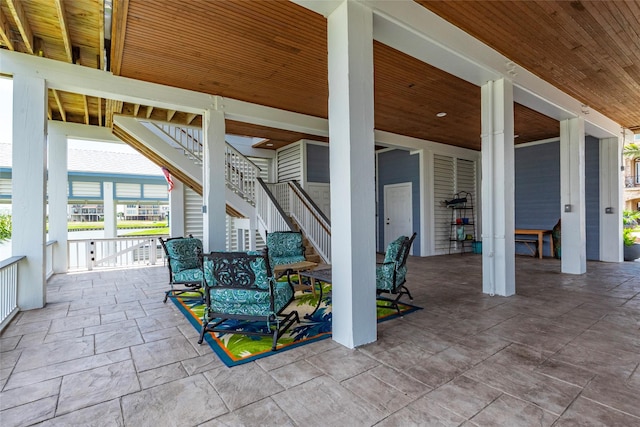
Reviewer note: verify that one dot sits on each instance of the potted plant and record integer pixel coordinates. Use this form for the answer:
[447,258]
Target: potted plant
[631,248]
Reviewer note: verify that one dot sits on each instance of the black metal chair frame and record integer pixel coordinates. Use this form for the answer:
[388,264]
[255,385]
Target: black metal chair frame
[399,289]
[238,268]
[189,286]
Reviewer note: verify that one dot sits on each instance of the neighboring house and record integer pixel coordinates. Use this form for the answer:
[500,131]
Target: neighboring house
[134,181]
[146,212]
[632,182]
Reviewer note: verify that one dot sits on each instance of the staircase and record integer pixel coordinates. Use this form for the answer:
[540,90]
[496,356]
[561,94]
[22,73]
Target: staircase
[277,207]
[286,206]
[183,159]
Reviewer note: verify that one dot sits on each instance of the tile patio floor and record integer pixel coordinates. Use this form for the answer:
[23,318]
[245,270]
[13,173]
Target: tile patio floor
[564,351]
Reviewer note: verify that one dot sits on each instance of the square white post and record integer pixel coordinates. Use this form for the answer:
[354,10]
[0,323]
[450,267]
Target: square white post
[572,198]
[29,187]
[611,200]
[109,209]
[498,189]
[213,179]
[176,209]
[351,147]
[58,199]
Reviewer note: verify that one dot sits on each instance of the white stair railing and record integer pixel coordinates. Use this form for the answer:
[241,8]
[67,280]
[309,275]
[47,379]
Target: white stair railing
[240,172]
[314,225]
[280,191]
[270,215]
[187,138]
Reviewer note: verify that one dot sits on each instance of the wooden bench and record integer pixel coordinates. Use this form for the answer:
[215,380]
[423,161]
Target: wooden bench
[531,244]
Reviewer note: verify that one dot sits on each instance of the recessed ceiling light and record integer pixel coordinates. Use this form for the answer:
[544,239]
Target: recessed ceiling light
[441,114]
[269,144]
[516,135]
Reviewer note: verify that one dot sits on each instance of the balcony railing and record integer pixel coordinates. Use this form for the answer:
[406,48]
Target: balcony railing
[118,252]
[9,289]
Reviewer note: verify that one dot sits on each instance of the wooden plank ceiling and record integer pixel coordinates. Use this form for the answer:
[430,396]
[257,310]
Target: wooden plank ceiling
[588,49]
[274,53]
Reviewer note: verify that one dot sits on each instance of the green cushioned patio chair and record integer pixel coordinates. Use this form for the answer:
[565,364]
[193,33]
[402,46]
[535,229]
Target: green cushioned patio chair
[391,273]
[285,247]
[185,274]
[239,286]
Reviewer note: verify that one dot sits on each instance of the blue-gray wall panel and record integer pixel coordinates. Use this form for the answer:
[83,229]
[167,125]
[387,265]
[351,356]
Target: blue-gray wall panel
[592,196]
[317,163]
[537,198]
[395,167]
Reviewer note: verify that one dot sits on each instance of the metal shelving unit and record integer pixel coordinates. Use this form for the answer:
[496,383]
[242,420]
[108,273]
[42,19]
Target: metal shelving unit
[462,229]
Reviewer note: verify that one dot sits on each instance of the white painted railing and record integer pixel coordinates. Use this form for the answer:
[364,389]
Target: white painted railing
[270,216]
[281,193]
[240,172]
[187,138]
[89,254]
[48,258]
[8,289]
[314,225]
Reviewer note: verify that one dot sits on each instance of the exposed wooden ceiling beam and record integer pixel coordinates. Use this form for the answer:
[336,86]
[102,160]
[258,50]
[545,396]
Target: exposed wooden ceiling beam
[191,117]
[113,107]
[49,112]
[86,109]
[99,111]
[149,111]
[64,28]
[136,108]
[63,113]
[19,17]
[170,114]
[101,30]
[38,47]
[5,31]
[118,33]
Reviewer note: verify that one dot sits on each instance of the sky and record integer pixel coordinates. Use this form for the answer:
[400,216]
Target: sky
[6,97]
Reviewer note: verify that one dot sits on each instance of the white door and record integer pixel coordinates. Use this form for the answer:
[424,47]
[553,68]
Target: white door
[398,214]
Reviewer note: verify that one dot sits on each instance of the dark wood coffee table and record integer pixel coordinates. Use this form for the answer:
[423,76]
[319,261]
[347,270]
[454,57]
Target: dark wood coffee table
[322,275]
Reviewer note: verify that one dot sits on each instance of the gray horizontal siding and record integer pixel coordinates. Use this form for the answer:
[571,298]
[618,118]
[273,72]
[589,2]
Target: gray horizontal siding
[537,191]
[395,167]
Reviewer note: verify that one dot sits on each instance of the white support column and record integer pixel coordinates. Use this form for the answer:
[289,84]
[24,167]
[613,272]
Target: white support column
[572,196]
[29,187]
[176,210]
[611,199]
[498,189]
[351,147]
[58,200]
[427,203]
[109,208]
[213,179]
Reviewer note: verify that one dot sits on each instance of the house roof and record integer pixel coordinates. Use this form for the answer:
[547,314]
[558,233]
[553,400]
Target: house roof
[107,160]
[275,54]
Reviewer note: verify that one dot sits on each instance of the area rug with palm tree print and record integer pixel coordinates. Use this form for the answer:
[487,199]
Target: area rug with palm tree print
[235,349]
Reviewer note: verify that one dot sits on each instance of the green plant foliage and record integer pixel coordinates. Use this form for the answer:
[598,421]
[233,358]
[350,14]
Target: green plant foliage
[632,151]
[628,237]
[631,219]
[5,227]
